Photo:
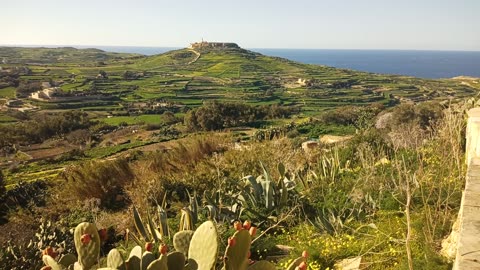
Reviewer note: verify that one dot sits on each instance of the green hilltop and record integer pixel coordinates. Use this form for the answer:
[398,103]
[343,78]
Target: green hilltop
[192,75]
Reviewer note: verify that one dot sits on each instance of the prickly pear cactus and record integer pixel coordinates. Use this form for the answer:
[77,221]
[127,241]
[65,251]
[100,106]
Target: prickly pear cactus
[204,246]
[67,260]
[134,259]
[176,261]
[115,260]
[147,259]
[262,265]
[181,241]
[49,261]
[236,254]
[296,263]
[159,264]
[87,243]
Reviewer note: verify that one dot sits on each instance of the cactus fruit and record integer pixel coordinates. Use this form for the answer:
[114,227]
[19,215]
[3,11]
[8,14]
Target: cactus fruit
[236,257]
[305,254]
[237,225]
[149,246]
[50,252]
[204,246]
[247,224]
[301,266]
[231,241]
[115,260]
[103,234]
[163,249]
[181,241]
[147,259]
[252,231]
[85,239]
[87,243]
[176,261]
[262,265]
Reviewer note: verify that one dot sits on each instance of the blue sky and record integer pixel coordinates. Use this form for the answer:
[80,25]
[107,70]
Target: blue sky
[322,24]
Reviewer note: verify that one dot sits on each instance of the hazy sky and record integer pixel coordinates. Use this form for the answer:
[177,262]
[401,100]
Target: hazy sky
[323,24]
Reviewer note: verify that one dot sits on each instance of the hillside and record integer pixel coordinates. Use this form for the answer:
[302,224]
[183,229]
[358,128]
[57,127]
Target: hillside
[189,77]
[59,56]
[223,133]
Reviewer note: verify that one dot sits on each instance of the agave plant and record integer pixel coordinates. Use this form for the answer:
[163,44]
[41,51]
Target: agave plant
[264,198]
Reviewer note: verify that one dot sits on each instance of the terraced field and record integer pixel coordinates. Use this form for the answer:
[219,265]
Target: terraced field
[234,75]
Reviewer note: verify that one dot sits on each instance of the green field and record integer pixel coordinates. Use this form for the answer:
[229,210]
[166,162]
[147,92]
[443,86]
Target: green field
[8,92]
[134,120]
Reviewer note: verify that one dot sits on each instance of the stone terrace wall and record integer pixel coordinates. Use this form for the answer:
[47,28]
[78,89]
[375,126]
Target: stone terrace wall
[468,245]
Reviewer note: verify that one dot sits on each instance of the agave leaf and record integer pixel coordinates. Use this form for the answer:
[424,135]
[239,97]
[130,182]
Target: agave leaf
[212,211]
[133,237]
[139,225]
[281,169]
[257,188]
[162,214]
[151,228]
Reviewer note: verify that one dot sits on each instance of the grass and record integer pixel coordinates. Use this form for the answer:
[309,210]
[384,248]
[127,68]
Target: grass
[102,152]
[134,120]
[6,119]
[8,92]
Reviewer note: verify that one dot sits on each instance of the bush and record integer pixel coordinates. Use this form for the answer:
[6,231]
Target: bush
[26,195]
[103,180]
[216,115]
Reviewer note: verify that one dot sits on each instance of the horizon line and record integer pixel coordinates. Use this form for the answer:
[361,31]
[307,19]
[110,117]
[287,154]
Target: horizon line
[79,46]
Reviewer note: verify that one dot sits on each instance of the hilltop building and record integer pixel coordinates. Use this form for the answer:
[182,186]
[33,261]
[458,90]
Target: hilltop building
[213,45]
[46,94]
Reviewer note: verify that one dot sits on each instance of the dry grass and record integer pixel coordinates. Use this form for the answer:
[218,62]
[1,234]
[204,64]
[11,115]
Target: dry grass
[102,180]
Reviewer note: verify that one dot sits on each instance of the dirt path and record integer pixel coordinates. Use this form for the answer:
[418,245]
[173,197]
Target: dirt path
[196,58]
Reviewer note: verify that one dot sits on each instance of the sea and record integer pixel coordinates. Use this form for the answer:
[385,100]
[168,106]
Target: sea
[417,63]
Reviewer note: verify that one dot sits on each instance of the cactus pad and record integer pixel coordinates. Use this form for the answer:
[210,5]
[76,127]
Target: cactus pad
[115,260]
[159,264]
[181,241]
[49,261]
[88,252]
[67,260]
[133,262]
[204,246]
[147,259]
[176,261]
[236,255]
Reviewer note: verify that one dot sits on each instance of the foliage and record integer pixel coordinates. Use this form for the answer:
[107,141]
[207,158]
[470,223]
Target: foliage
[103,180]
[359,117]
[42,127]
[215,115]
[26,88]
[27,256]
[26,195]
